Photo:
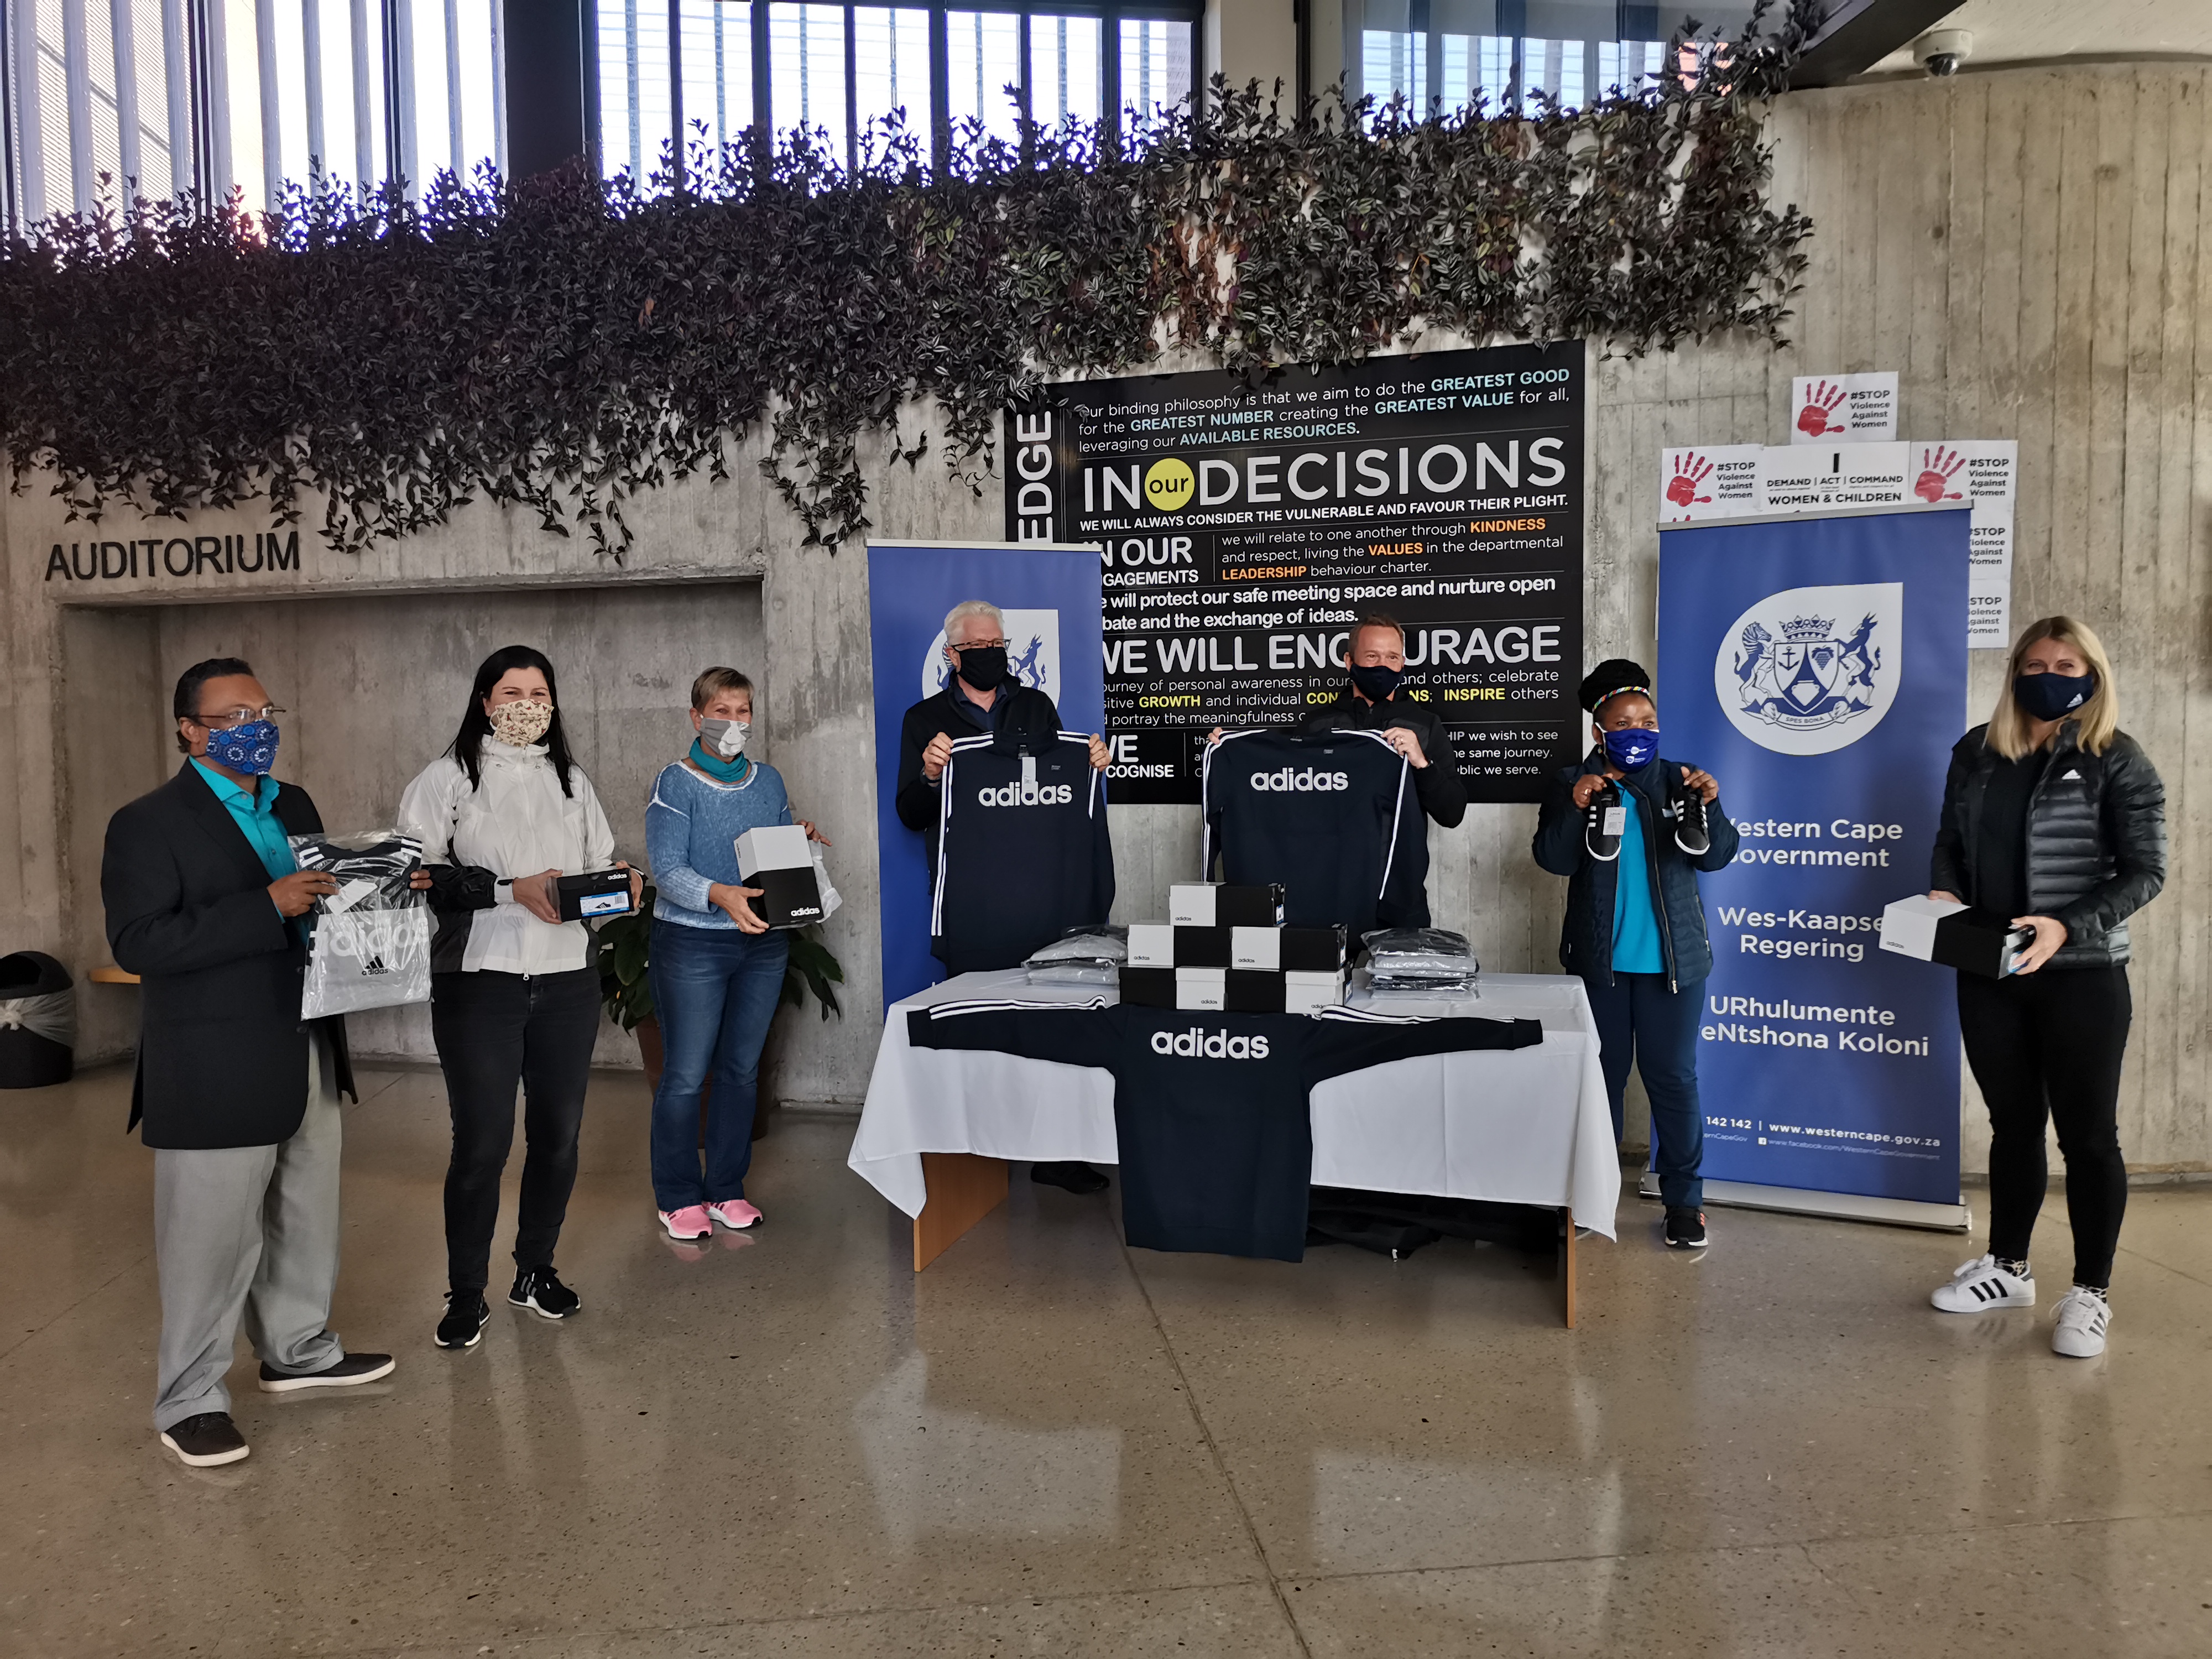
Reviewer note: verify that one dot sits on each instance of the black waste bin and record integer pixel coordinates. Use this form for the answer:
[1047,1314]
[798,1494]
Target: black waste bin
[38,1021]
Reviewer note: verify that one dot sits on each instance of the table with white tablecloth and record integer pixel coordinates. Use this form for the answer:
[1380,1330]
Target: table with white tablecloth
[1511,1125]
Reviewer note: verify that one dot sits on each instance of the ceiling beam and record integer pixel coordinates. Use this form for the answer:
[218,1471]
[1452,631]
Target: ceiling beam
[1859,34]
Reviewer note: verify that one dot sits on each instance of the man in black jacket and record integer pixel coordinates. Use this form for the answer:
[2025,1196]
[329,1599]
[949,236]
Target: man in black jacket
[980,696]
[1375,657]
[238,1097]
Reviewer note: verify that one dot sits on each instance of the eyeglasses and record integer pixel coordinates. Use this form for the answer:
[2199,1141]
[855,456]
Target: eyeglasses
[237,717]
[978,645]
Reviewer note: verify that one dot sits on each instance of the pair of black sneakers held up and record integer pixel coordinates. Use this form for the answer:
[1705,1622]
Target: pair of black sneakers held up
[1606,820]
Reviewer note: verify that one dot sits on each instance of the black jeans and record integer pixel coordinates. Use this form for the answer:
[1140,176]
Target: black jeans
[493,1031]
[2050,1043]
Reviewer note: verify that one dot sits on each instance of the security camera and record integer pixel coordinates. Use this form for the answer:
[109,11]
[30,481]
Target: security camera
[1940,51]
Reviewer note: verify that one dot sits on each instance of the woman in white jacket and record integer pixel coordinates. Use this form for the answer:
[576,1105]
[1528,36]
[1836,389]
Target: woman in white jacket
[514,998]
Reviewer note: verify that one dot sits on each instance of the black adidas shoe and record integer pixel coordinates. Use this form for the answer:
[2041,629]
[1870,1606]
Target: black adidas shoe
[1605,821]
[1691,833]
[466,1315]
[1686,1229]
[540,1289]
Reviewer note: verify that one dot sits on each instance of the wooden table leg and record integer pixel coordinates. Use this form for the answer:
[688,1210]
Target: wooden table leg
[963,1190]
[1567,1263]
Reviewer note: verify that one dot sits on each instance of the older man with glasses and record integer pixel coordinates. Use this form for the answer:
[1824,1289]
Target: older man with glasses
[238,1095]
[982,696]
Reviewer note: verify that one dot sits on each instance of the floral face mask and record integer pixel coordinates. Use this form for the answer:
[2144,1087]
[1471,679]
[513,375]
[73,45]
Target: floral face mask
[522,722]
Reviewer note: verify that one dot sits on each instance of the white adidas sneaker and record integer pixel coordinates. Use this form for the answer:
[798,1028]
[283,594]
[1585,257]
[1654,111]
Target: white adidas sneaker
[2083,1318]
[1980,1285]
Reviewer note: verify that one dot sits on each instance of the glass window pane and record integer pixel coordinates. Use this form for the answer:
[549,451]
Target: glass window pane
[635,112]
[156,178]
[434,144]
[1064,70]
[106,132]
[807,71]
[717,72]
[479,137]
[299,160]
[1156,66]
[891,67]
[983,59]
[1553,66]
[241,63]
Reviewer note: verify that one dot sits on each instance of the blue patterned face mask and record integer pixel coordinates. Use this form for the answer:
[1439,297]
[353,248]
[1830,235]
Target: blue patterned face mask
[250,748]
[1631,748]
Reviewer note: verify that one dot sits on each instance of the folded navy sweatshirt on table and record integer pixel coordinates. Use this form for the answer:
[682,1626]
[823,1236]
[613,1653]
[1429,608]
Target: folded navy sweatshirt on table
[1211,1111]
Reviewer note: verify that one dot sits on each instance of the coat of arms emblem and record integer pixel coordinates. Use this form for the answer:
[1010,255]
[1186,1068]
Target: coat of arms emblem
[1811,670]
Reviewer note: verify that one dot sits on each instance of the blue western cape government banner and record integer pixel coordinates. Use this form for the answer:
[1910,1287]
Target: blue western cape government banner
[1817,666]
[1050,598]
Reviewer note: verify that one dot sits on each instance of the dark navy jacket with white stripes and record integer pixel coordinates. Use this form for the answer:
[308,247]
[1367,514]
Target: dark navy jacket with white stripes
[1023,854]
[1209,1110]
[1332,816]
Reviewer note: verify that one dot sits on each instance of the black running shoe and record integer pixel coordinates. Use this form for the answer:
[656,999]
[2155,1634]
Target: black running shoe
[1606,820]
[346,1371]
[205,1440]
[1686,1229]
[1076,1176]
[540,1289]
[466,1315]
[1691,833]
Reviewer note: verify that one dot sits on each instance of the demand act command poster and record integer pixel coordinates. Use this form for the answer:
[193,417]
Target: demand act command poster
[1244,528]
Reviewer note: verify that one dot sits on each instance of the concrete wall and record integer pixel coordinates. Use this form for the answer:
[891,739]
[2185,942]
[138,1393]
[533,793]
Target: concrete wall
[2024,247]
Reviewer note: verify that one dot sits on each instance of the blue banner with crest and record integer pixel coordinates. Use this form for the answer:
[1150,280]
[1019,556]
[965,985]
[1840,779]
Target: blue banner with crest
[1817,667]
[1050,596]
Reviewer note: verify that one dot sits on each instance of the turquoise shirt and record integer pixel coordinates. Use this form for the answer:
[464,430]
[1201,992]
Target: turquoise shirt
[255,813]
[1635,926]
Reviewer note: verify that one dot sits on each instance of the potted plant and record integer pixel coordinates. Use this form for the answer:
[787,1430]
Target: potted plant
[626,988]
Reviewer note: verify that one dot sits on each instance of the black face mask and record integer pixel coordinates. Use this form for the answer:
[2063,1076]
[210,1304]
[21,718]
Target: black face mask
[1377,684]
[983,667]
[2053,696]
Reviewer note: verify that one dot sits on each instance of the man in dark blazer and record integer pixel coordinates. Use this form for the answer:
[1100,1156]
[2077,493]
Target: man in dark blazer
[238,1097]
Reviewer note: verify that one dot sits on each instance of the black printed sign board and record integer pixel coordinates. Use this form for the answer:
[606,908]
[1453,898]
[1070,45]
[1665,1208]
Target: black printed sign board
[1244,528]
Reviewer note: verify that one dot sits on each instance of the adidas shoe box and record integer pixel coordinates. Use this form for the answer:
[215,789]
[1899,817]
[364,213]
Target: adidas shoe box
[1147,986]
[1288,950]
[776,860]
[1216,904]
[1946,932]
[1201,989]
[1229,990]
[1166,945]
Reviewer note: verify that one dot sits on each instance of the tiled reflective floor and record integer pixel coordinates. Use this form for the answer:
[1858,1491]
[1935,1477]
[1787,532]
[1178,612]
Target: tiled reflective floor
[790,1444]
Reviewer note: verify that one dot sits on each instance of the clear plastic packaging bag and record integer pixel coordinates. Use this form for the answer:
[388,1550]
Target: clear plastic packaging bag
[1098,974]
[371,947]
[1084,945]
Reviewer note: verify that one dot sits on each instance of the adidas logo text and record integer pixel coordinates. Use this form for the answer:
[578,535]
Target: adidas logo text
[1287,780]
[1027,794]
[1195,1044]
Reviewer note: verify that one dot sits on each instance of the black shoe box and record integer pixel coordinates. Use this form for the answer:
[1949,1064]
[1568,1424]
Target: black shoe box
[1218,904]
[1148,987]
[1247,992]
[1202,947]
[1981,942]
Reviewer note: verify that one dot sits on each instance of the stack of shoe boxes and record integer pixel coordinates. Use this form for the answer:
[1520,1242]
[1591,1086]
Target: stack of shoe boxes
[1225,948]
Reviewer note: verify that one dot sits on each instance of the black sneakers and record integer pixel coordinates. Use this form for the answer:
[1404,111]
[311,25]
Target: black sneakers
[466,1315]
[1691,833]
[1686,1229]
[540,1289]
[206,1440]
[1606,820]
[354,1368]
[1076,1176]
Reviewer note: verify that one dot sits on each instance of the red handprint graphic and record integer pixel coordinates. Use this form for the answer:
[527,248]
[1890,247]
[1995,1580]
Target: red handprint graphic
[1938,466]
[1819,404]
[1690,471]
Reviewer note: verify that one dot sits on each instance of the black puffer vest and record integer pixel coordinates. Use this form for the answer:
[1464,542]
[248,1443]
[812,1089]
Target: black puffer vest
[2096,839]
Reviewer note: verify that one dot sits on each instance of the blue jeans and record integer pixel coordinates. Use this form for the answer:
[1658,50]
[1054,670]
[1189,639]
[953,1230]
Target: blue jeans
[715,991]
[1639,1019]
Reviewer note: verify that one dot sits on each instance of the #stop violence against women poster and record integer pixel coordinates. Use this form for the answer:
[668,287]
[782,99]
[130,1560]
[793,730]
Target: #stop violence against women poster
[1244,527]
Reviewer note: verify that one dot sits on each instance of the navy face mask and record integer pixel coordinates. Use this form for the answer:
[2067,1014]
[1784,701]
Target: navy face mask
[250,748]
[983,667]
[1377,683]
[2053,696]
[1632,748]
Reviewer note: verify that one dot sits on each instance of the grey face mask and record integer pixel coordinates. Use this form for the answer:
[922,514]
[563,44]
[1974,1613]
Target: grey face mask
[725,737]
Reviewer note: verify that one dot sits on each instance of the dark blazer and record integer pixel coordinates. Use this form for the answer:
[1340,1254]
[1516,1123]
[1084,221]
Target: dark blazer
[223,1053]
[2096,839]
[1586,931]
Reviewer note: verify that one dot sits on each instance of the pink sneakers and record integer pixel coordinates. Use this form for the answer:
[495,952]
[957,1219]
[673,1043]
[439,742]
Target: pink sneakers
[733,1214]
[688,1222]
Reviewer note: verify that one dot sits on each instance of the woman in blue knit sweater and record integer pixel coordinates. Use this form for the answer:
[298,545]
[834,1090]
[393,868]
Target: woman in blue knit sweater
[717,968]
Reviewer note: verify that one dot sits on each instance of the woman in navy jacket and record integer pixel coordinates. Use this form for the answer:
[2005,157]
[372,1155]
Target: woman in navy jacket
[1630,831]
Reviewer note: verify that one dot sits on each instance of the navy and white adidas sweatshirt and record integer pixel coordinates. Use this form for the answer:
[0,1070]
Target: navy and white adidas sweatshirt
[1211,1111]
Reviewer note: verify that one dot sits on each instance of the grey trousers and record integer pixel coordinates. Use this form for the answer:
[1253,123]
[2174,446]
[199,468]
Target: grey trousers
[251,1231]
